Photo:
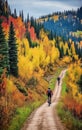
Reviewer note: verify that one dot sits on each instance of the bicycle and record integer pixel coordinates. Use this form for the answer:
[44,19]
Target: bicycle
[58,83]
[49,101]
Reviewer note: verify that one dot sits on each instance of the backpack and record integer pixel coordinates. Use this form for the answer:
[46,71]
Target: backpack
[49,92]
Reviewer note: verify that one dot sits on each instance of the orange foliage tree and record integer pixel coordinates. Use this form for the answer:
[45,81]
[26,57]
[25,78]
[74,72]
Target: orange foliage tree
[4,111]
[73,97]
[18,24]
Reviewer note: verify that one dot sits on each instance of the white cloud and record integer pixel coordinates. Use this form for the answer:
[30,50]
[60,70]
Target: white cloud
[42,7]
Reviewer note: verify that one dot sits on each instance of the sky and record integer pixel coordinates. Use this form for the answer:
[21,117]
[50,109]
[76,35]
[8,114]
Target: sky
[38,8]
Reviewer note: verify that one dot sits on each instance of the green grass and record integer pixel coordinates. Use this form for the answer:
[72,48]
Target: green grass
[63,88]
[22,114]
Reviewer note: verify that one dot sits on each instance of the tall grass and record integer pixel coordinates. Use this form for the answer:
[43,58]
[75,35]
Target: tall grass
[63,88]
[21,115]
[68,119]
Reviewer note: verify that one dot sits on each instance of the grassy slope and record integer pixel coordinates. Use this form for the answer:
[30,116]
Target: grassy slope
[22,114]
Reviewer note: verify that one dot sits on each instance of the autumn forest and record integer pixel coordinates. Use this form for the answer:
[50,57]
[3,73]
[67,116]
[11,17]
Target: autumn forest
[30,51]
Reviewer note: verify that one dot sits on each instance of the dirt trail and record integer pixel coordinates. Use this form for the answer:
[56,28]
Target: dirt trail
[45,117]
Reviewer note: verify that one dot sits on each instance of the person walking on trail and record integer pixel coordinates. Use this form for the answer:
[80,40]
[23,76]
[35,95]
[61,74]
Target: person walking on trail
[58,79]
[49,94]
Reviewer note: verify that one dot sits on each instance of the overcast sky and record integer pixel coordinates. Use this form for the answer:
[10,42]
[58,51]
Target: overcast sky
[39,8]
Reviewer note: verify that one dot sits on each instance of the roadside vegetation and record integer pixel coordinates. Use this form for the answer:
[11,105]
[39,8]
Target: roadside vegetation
[70,107]
[22,114]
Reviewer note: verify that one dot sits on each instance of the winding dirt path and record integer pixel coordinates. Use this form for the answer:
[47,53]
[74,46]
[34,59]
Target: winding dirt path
[45,117]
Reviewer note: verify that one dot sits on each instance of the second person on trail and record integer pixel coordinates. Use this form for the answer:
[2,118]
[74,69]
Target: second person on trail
[49,94]
[58,79]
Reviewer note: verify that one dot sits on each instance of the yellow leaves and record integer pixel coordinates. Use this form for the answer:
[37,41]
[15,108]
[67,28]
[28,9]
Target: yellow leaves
[31,60]
[53,54]
[26,45]
[55,17]
[41,72]
[75,57]
[74,73]
[10,86]
[25,67]
[65,47]
[42,56]
[47,60]
[79,98]
[74,90]
[23,46]
[42,34]
[61,44]
[34,56]
[45,40]
[73,48]
[67,59]
[73,98]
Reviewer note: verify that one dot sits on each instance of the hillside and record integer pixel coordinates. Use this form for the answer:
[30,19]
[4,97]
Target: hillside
[64,24]
[30,51]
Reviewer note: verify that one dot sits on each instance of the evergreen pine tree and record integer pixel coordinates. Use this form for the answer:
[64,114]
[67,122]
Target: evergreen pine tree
[13,59]
[79,13]
[1,7]
[4,59]
[32,20]
[28,37]
[22,16]
[15,13]
[80,52]
[57,42]
[51,35]
[67,53]
[61,52]
[27,18]
[6,7]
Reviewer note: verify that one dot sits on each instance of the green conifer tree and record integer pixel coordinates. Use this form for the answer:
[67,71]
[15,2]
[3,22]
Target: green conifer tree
[67,52]
[13,58]
[4,58]
[61,52]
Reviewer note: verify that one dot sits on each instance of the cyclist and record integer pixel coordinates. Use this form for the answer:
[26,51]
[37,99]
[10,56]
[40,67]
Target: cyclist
[58,80]
[49,94]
